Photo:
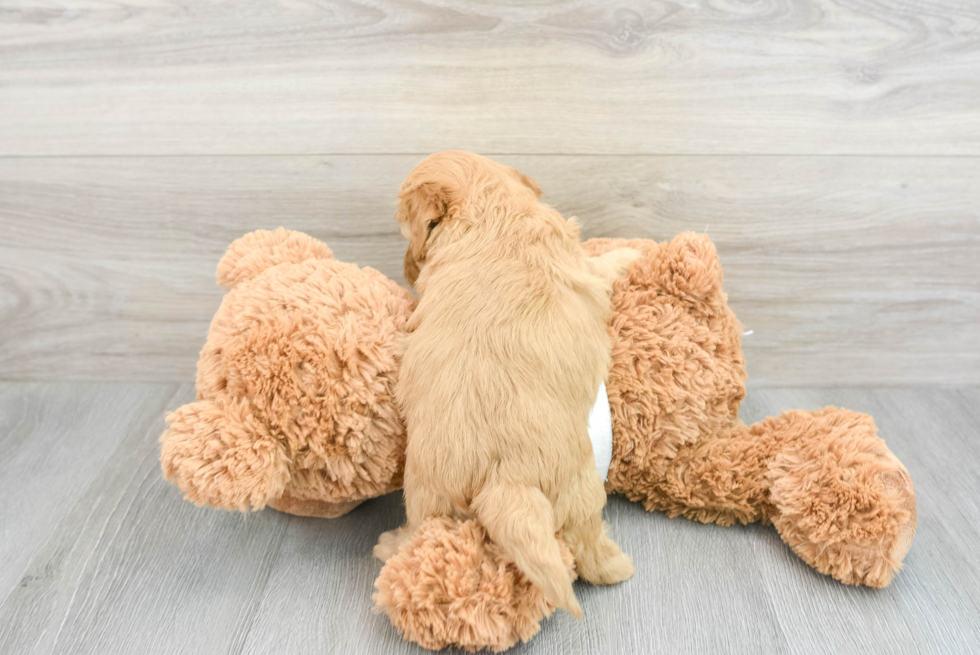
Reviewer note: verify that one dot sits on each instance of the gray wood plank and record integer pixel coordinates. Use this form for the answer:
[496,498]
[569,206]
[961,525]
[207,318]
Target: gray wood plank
[397,76]
[932,605]
[848,270]
[128,566]
[55,440]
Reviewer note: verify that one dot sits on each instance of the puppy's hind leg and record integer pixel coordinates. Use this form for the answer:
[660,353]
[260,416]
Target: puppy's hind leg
[598,558]
[520,519]
[421,502]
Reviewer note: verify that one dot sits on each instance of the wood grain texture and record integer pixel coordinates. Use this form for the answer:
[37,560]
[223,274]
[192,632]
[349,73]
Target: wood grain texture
[55,439]
[119,563]
[848,270]
[573,76]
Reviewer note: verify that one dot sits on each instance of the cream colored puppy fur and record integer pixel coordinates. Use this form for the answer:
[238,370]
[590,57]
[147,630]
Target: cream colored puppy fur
[502,362]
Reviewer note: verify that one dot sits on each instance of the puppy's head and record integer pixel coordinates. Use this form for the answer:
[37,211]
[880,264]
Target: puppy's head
[446,193]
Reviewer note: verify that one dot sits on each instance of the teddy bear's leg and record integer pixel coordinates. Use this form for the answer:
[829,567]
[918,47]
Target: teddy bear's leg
[451,585]
[221,455]
[842,500]
[828,483]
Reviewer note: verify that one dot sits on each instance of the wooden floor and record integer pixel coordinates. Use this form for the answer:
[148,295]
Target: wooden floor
[830,148]
[101,556]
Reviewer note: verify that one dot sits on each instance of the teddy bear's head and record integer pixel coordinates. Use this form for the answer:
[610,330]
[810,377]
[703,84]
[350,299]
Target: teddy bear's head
[295,404]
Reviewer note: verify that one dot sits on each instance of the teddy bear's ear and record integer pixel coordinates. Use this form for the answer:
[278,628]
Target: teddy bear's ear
[688,266]
[260,250]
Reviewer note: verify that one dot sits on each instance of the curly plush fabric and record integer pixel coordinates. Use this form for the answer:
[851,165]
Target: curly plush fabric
[221,454]
[678,373]
[829,484]
[450,585]
[258,251]
[303,352]
[295,411]
[840,498]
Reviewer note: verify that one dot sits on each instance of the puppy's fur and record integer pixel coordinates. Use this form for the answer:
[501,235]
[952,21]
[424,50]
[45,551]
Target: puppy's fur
[502,362]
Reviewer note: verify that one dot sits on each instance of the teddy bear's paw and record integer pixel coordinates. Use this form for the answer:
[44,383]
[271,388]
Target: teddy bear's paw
[221,455]
[450,585]
[842,500]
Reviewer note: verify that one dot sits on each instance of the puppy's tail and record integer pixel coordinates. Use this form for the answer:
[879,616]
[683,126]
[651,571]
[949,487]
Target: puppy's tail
[520,519]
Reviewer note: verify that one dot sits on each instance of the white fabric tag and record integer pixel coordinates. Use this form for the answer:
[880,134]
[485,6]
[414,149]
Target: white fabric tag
[600,432]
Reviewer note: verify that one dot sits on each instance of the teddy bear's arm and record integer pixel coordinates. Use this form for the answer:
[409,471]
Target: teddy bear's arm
[223,456]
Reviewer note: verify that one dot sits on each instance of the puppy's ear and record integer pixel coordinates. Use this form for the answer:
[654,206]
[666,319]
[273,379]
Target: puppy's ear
[526,181]
[421,209]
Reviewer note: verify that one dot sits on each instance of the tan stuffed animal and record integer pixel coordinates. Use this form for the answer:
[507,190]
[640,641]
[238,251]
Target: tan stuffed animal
[295,410]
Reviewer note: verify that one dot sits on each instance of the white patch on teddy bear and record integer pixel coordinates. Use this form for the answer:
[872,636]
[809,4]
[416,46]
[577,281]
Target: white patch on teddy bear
[600,432]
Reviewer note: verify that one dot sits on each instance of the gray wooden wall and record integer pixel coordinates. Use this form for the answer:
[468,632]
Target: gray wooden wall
[831,148]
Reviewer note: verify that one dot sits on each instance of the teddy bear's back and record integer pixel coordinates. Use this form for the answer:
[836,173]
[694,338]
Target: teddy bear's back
[677,367]
[311,346]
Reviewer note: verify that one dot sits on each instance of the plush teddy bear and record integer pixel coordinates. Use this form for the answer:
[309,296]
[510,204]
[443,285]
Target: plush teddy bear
[295,410]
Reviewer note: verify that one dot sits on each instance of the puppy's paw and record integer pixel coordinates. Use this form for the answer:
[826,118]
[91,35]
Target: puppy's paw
[614,569]
[626,256]
[613,265]
[608,565]
[389,543]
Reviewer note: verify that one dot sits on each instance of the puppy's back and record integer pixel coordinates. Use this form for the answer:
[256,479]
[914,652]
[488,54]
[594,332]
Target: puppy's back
[507,350]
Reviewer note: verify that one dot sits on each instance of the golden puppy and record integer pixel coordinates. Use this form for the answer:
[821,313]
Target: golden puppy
[502,362]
